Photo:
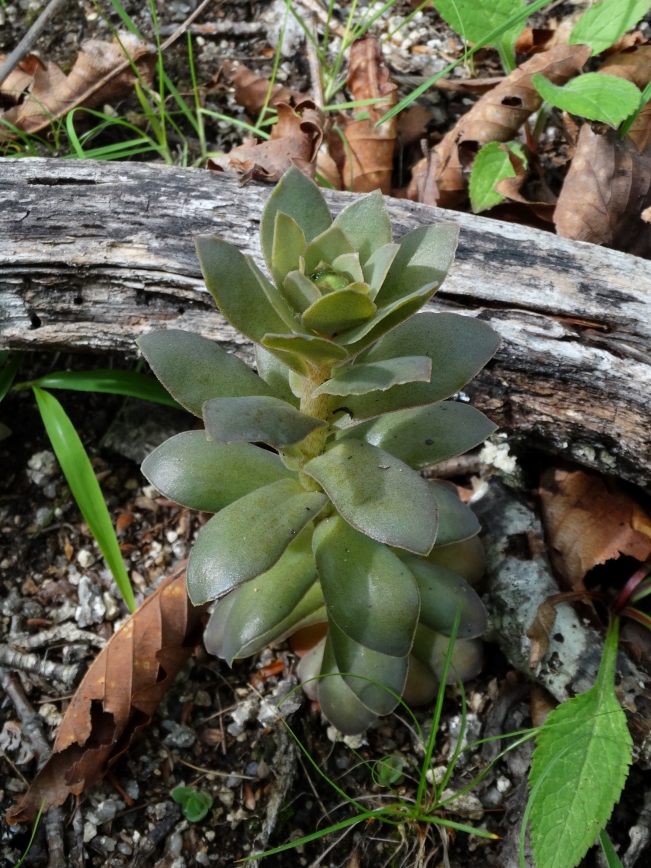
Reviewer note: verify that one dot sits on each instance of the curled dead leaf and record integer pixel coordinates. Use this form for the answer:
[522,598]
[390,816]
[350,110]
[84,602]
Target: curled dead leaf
[295,141]
[98,76]
[588,520]
[251,90]
[496,117]
[118,696]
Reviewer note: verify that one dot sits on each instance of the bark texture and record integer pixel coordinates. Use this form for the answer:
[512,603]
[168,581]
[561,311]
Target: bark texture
[96,254]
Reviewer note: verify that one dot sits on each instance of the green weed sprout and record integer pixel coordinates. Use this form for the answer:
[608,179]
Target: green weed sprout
[195,804]
[311,466]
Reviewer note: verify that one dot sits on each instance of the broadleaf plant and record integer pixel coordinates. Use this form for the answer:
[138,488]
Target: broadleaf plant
[311,466]
[594,96]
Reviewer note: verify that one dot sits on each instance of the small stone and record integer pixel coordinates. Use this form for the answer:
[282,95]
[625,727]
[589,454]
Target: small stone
[226,797]
[125,849]
[106,811]
[105,843]
[85,559]
[503,784]
[111,605]
[90,831]
[263,770]
[91,608]
[436,775]
[202,859]
[132,789]
[203,699]
[181,737]
[50,713]
[465,805]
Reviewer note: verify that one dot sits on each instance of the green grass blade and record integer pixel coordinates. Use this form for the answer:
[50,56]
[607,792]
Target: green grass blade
[612,858]
[84,486]
[8,373]
[128,383]
[32,836]
[460,827]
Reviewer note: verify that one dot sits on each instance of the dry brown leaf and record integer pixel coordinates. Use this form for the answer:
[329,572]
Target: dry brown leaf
[367,162]
[295,141]
[251,90]
[634,64]
[496,117]
[18,80]
[588,520]
[118,696]
[535,40]
[543,208]
[542,704]
[51,93]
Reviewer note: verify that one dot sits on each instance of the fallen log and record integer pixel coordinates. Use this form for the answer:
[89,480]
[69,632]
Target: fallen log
[95,254]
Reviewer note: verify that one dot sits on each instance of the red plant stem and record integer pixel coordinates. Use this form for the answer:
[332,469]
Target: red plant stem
[630,586]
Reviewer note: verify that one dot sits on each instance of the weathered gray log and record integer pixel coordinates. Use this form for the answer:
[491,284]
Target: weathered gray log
[95,254]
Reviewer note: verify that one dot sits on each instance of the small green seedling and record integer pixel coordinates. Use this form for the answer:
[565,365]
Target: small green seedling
[195,804]
[387,772]
[330,520]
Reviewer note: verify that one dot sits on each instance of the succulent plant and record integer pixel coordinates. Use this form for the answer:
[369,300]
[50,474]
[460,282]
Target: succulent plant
[311,466]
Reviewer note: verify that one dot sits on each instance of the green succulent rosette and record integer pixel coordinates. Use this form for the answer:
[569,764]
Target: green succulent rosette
[311,466]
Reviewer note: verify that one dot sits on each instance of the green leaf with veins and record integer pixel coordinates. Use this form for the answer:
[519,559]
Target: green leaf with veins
[257,420]
[194,369]
[491,165]
[594,96]
[425,436]
[378,495]
[377,376]
[579,767]
[602,24]
[248,537]
[473,21]
[201,474]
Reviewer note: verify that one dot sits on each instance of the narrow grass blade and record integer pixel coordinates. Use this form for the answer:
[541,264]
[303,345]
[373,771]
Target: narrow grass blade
[128,383]
[84,486]
[612,858]
[31,837]
[8,373]
[460,827]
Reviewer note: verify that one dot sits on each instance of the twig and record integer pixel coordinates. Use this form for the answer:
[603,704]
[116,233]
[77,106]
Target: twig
[17,771]
[32,723]
[325,18]
[313,61]
[214,772]
[29,39]
[48,669]
[67,632]
[54,835]
[77,851]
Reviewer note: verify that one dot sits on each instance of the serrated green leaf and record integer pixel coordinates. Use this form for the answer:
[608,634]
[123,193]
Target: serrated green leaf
[248,537]
[349,263]
[201,474]
[457,521]
[424,259]
[579,768]
[366,224]
[491,165]
[467,558]
[236,290]
[288,246]
[458,346]
[377,267]
[595,96]
[300,198]
[275,373]
[442,592]
[425,436]
[257,419]
[265,607]
[84,486]
[378,494]
[300,291]
[377,376]
[338,702]
[473,20]
[113,382]
[602,24]
[276,298]
[194,369]
[368,591]
[431,648]
[325,248]
[319,351]
[612,859]
[339,311]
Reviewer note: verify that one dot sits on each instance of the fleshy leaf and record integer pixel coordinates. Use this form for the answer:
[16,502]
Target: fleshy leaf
[378,494]
[579,768]
[441,594]
[369,592]
[201,474]
[194,369]
[338,702]
[424,258]
[386,318]
[276,298]
[458,346]
[425,436]
[257,420]
[300,291]
[467,558]
[361,666]
[319,351]
[431,649]
[289,244]
[366,224]
[275,373]
[248,537]
[361,379]
[236,290]
[349,263]
[457,521]
[300,198]
[325,248]
[263,606]
[337,311]
[377,267]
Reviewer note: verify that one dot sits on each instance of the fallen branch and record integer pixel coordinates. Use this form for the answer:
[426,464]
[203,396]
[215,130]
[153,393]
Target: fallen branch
[96,254]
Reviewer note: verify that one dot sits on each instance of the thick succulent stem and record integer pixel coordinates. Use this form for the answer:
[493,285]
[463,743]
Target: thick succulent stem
[317,406]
